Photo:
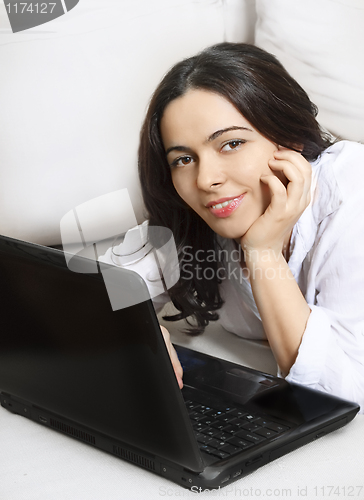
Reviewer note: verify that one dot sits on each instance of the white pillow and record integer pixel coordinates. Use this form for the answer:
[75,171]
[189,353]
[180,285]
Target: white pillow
[239,19]
[320,43]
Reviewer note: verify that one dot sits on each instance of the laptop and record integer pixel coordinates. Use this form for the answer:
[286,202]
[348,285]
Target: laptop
[71,363]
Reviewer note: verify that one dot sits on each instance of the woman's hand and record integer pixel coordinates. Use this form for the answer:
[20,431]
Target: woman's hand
[271,230]
[173,355]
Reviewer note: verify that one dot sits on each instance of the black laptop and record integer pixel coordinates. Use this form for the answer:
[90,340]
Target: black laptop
[104,377]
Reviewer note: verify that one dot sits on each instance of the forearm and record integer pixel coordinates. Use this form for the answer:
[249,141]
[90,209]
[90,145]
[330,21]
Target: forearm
[282,307]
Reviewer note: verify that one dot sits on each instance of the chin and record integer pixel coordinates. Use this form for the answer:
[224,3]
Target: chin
[229,233]
[229,229]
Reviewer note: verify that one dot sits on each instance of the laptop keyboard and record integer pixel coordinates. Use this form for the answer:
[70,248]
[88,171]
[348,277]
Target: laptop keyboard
[223,431]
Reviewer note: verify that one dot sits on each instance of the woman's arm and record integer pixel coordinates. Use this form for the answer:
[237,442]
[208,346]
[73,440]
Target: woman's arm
[177,367]
[282,307]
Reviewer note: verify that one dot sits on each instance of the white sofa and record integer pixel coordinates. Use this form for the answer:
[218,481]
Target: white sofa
[73,94]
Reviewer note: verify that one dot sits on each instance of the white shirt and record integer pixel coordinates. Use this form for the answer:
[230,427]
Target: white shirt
[327,250]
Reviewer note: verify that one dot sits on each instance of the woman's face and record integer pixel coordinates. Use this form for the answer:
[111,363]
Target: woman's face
[217,159]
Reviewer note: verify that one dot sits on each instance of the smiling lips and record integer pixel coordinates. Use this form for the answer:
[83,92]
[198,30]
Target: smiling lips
[225,206]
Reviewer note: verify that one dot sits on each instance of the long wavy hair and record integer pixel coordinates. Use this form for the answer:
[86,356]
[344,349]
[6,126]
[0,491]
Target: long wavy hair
[256,83]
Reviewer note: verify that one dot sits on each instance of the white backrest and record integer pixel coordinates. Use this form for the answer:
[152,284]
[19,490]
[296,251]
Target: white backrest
[320,43]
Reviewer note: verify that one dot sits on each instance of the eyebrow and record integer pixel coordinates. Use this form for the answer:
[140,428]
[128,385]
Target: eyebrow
[228,129]
[211,138]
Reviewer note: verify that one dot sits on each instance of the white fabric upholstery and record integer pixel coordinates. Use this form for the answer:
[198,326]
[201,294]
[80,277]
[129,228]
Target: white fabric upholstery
[239,20]
[320,43]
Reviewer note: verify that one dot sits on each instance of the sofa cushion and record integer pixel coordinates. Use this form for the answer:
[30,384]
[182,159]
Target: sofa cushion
[321,45]
[239,20]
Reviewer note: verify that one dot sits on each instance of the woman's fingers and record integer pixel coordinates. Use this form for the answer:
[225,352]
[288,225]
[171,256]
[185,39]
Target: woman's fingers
[178,370]
[289,186]
[297,170]
[278,193]
[177,366]
[295,159]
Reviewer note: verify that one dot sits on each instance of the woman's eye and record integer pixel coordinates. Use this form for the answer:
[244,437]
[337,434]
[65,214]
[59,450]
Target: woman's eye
[182,161]
[229,146]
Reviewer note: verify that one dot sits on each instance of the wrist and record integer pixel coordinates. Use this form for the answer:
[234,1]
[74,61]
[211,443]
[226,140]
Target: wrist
[266,252]
[268,266]
[255,256]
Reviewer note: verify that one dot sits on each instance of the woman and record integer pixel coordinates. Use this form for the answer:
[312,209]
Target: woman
[233,161]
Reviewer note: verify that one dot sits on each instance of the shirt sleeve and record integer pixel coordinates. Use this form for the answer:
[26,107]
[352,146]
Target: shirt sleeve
[331,354]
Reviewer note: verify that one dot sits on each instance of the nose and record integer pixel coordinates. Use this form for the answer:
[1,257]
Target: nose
[210,174]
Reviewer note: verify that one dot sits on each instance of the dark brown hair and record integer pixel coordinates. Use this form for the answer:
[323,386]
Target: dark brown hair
[260,88]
